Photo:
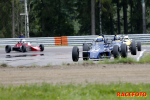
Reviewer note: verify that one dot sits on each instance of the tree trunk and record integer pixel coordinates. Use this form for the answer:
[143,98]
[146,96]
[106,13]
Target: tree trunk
[139,20]
[13,20]
[131,7]
[59,18]
[111,23]
[100,18]
[125,16]
[18,19]
[42,20]
[118,16]
[144,19]
[93,17]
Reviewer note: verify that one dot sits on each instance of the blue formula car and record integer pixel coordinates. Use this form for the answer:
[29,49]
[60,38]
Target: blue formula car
[117,42]
[99,49]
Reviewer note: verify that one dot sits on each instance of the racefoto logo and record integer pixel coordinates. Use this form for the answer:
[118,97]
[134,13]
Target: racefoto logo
[131,94]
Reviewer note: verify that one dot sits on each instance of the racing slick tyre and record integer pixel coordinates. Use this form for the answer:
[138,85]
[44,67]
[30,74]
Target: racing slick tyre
[133,48]
[116,51]
[23,48]
[139,46]
[85,54]
[7,48]
[41,47]
[75,54]
[124,49]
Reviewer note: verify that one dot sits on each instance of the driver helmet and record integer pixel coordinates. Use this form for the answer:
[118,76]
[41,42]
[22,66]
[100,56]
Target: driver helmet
[101,35]
[99,39]
[117,37]
[22,41]
[126,37]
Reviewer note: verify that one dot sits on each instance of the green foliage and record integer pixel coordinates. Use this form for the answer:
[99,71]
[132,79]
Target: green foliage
[72,92]
[53,17]
[71,17]
[5,18]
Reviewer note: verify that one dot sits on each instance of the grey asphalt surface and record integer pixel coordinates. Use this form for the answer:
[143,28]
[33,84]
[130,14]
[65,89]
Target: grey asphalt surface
[50,56]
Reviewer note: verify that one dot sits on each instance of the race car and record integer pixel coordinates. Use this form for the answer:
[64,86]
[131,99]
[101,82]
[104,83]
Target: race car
[131,44]
[127,40]
[99,49]
[23,46]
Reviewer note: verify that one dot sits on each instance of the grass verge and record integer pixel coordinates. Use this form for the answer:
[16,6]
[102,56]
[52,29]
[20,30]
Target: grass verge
[116,61]
[72,92]
[145,59]
[128,60]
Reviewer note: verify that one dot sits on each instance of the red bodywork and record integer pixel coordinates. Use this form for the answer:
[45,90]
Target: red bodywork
[33,48]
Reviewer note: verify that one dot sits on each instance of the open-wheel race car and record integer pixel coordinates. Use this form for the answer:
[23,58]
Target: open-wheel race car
[99,49]
[132,45]
[23,46]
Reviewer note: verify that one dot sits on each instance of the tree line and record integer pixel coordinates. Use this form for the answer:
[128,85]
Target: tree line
[72,17]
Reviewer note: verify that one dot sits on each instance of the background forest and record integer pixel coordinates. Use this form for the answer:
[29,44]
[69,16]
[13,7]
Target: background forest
[72,17]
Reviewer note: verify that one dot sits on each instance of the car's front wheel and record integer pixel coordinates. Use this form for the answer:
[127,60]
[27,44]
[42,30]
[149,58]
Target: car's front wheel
[116,51]
[124,52]
[7,48]
[41,47]
[139,46]
[75,54]
[85,54]
[23,48]
[133,48]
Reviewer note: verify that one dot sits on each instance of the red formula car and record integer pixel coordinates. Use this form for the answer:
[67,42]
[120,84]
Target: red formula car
[23,46]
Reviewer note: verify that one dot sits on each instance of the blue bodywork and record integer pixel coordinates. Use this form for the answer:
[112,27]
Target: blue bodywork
[116,43]
[99,50]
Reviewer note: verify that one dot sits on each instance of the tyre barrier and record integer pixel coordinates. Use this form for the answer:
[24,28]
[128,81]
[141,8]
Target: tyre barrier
[64,41]
[57,41]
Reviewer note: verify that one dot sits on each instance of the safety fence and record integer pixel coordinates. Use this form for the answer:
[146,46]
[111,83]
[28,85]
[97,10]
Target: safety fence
[70,40]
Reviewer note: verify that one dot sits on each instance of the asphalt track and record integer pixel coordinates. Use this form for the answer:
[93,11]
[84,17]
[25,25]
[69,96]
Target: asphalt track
[50,56]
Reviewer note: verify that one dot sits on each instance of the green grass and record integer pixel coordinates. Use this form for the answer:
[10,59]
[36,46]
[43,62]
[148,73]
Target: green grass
[144,59]
[119,60]
[88,62]
[72,92]
[64,63]
[48,65]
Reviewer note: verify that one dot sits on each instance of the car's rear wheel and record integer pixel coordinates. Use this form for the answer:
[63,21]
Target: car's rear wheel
[41,47]
[139,46]
[116,51]
[7,48]
[75,54]
[133,48]
[124,52]
[23,48]
[85,54]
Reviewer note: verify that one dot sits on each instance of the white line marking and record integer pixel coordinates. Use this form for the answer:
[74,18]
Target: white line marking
[141,54]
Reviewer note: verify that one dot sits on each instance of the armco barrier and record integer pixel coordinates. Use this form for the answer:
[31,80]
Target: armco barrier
[47,41]
[79,40]
[70,40]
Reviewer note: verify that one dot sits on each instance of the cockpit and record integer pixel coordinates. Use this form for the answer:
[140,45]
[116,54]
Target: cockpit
[97,42]
[22,41]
